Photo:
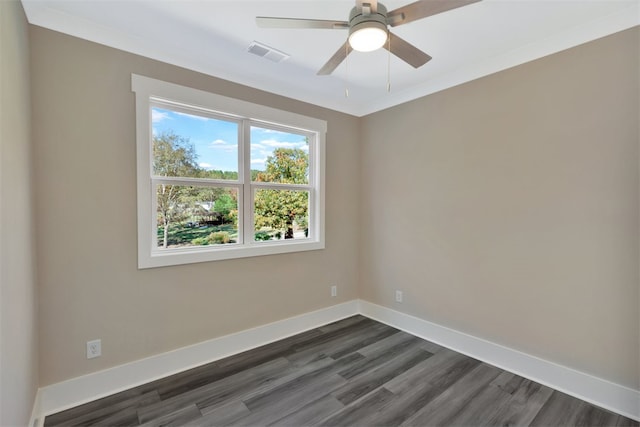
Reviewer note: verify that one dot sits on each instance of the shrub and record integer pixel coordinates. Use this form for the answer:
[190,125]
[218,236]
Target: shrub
[262,235]
[200,241]
[218,237]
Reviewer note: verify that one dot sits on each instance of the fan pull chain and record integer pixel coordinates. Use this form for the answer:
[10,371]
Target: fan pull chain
[389,63]
[346,70]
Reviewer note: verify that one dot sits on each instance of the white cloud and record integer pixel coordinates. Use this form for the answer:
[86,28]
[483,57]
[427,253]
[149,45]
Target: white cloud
[263,130]
[221,144]
[258,161]
[158,116]
[205,165]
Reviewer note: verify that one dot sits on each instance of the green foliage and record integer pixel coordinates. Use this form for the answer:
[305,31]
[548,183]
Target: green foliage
[226,205]
[262,236]
[217,174]
[219,237]
[279,209]
[287,166]
[200,241]
[172,156]
[180,235]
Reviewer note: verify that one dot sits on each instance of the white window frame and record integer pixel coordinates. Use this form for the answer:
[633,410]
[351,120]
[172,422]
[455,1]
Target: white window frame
[150,92]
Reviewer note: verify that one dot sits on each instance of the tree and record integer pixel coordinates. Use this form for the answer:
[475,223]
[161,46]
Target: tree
[227,206]
[173,155]
[279,209]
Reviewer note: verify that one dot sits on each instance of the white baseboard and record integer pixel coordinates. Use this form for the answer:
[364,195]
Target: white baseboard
[36,419]
[603,393]
[76,391]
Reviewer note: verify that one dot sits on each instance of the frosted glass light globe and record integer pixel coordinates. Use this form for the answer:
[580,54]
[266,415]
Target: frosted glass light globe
[369,37]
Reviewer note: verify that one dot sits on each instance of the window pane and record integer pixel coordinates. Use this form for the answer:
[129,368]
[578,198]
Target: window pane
[281,214]
[188,145]
[279,156]
[190,216]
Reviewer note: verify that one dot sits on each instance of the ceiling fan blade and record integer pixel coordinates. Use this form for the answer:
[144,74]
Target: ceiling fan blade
[422,9]
[406,51]
[272,22]
[336,59]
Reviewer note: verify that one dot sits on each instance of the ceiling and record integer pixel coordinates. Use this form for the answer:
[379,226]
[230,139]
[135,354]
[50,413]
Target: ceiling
[212,37]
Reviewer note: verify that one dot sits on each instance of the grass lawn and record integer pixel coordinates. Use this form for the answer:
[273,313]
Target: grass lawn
[181,235]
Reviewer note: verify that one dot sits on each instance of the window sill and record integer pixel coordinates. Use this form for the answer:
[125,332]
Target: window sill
[168,257]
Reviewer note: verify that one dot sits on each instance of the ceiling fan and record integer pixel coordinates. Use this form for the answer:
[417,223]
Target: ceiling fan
[368,28]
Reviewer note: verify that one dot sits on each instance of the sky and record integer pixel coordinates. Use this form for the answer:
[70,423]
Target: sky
[216,141]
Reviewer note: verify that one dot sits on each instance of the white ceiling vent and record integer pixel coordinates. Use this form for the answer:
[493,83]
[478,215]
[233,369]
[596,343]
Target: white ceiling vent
[265,51]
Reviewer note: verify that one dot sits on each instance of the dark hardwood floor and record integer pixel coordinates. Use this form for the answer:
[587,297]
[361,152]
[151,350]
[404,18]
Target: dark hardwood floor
[352,372]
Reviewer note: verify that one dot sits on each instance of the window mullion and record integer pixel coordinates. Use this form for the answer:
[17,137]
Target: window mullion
[198,182]
[281,186]
[247,192]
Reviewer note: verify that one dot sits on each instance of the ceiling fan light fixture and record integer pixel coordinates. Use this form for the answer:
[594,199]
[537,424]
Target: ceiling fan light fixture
[368,36]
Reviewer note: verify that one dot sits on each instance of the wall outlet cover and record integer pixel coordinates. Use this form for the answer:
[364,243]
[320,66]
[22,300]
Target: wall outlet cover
[94,349]
[398,296]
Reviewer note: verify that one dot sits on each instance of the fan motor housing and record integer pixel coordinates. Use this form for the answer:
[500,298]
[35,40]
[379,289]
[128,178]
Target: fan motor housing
[357,18]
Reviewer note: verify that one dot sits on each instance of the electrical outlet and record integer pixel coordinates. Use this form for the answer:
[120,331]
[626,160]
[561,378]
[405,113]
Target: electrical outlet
[398,296]
[334,291]
[94,349]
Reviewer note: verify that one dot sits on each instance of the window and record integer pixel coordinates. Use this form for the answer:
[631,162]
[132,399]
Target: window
[220,178]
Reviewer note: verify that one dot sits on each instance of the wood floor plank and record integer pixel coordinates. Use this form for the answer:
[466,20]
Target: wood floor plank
[374,378]
[358,412]
[590,415]
[559,410]
[93,411]
[387,343]
[336,333]
[355,372]
[407,401]
[626,422]
[340,344]
[435,370]
[111,407]
[229,366]
[431,347]
[457,398]
[221,416]
[311,414]
[301,380]
[345,323]
[286,401]
[273,350]
[220,390]
[177,418]
[527,398]
[374,360]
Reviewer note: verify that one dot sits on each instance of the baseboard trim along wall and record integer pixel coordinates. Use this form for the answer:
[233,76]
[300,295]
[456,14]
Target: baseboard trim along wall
[603,393]
[76,391]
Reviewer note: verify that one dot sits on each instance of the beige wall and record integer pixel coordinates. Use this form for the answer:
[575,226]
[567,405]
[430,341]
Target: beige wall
[84,140]
[18,311]
[507,208]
